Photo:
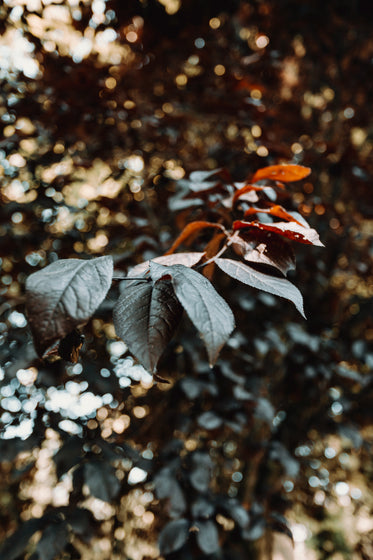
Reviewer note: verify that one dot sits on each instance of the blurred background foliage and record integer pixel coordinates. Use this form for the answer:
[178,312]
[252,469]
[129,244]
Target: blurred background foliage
[104,106]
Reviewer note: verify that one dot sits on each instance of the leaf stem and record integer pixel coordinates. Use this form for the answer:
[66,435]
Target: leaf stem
[131,278]
[222,250]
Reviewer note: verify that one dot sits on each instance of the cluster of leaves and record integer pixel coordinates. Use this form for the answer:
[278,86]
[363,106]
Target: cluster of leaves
[65,294]
[286,394]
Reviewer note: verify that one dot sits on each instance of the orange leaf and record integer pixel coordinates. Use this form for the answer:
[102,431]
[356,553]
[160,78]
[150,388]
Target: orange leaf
[291,230]
[275,210]
[190,229]
[282,172]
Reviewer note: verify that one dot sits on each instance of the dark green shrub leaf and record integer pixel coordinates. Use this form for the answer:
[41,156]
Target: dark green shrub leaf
[276,286]
[64,295]
[145,317]
[208,311]
[173,536]
[207,536]
[101,480]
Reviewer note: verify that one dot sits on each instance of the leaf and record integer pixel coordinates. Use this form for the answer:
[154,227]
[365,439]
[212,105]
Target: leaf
[16,543]
[82,523]
[275,210]
[253,188]
[276,286]
[64,295]
[290,230]
[190,229]
[202,508]
[69,455]
[53,541]
[237,512]
[208,311]
[145,317]
[101,480]
[282,172]
[201,471]
[207,536]
[264,248]
[187,259]
[209,420]
[173,536]
[200,176]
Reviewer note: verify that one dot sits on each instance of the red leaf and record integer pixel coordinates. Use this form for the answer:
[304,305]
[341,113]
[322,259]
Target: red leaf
[264,248]
[291,230]
[282,172]
[275,210]
[190,229]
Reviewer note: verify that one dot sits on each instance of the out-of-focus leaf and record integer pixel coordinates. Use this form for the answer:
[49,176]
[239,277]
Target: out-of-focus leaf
[255,531]
[201,176]
[191,229]
[145,317]
[53,541]
[68,455]
[82,523]
[200,476]
[209,312]
[64,295]
[236,512]
[187,259]
[278,452]
[173,536]
[244,192]
[201,186]
[290,230]
[276,286]
[207,536]
[264,410]
[166,486]
[282,172]
[101,480]
[281,525]
[202,508]
[14,545]
[209,420]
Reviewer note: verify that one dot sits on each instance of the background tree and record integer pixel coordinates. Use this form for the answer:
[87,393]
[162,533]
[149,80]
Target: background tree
[108,107]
